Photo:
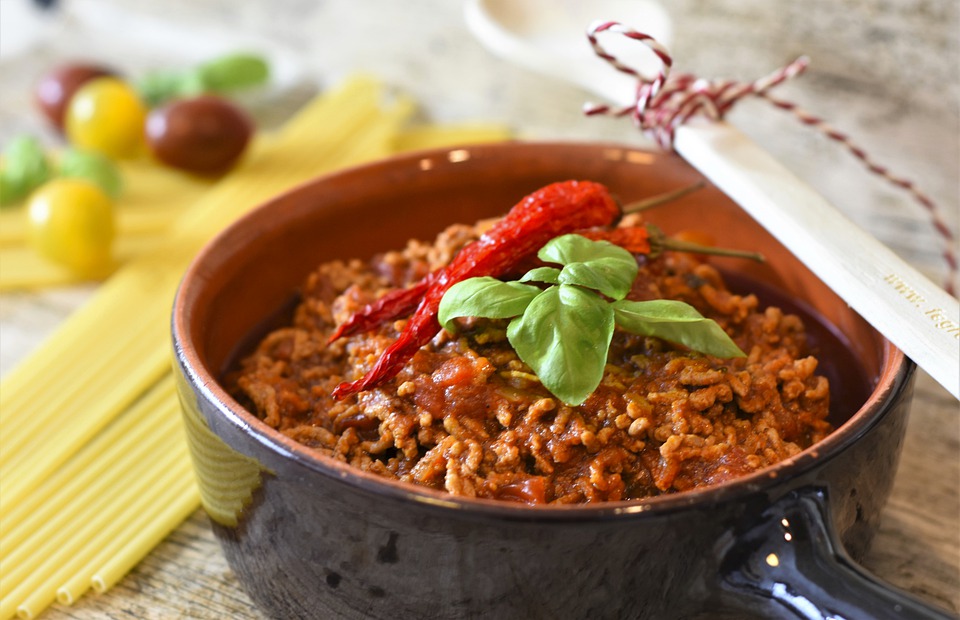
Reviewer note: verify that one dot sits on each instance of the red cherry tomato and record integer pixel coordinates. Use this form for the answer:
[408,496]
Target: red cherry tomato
[55,89]
[205,134]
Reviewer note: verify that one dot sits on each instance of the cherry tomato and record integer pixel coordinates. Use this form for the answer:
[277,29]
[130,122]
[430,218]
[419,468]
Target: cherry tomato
[107,116]
[55,89]
[71,222]
[204,134]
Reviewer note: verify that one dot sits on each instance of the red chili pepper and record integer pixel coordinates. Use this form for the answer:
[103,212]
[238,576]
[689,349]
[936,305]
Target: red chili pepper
[401,302]
[554,210]
[634,239]
[388,307]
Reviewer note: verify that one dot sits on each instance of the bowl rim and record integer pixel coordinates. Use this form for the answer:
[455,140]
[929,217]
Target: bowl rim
[895,371]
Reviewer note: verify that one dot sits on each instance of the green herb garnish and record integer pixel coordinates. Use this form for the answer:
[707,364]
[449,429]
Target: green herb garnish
[563,331]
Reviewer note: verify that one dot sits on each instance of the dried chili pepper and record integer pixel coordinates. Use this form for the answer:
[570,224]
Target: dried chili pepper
[571,206]
[634,239]
[388,307]
[402,302]
[551,211]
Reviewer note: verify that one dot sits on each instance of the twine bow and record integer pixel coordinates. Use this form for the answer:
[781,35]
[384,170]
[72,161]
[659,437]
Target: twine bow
[666,101]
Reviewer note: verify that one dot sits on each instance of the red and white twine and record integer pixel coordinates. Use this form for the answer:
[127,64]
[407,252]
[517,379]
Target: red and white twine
[663,103]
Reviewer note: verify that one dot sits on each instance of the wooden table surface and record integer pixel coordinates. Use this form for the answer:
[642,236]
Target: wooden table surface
[918,545]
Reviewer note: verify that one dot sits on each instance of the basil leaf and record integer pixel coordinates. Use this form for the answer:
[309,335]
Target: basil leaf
[599,265]
[677,322]
[484,297]
[609,276]
[567,249]
[564,336]
[550,275]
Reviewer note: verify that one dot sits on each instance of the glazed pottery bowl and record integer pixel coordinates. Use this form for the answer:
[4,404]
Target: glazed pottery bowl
[309,536]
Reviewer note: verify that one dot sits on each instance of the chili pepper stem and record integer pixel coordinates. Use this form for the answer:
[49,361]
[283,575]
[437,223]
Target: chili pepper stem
[659,199]
[666,243]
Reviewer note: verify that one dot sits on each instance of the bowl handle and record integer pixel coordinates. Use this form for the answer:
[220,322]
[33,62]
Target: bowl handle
[790,562]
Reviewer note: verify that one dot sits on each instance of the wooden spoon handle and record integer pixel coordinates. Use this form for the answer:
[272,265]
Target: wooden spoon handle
[912,312]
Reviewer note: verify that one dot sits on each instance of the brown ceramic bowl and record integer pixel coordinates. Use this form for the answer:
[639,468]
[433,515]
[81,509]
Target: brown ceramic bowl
[311,537]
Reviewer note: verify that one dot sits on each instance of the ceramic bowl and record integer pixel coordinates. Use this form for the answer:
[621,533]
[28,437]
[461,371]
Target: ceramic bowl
[309,536]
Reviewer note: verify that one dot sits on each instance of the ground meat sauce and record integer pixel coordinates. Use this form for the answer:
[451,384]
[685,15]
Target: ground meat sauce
[466,415]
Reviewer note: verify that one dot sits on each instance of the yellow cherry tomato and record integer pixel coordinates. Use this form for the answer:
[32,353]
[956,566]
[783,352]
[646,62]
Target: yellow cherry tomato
[71,222]
[107,115]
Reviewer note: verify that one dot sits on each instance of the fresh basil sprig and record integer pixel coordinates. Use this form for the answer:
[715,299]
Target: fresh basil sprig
[563,332]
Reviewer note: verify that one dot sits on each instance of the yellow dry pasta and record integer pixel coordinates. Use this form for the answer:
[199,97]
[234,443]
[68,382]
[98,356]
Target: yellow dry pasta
[66,354]
[146,436]
[176,509]
[116,439]
[32,572]
[42,588]
[130,522]
[58,494]
[60,538]
[25,440]
[117,465]
[74,431]
[177,502]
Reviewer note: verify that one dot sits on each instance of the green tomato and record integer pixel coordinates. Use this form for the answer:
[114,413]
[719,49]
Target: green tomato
[25,167]
[92,166]
[221,75]
[10,193]
[106,115]
[158,87]
[233,72]
[71,222]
